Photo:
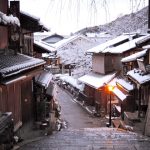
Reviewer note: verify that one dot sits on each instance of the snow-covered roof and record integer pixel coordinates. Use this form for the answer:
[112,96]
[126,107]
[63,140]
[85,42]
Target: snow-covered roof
[134,57]
[7,20]
[128,86]
[13,64]
[116,91]
[44,79]
[71,39]
[123,47]
[108,47]
[35,18]
[113,82]
[138,76]
[51,34]
[119,94]
[110,43]
[147,38]
[30,15]
[45,46]
[98,35]
[96,80]
[72,81]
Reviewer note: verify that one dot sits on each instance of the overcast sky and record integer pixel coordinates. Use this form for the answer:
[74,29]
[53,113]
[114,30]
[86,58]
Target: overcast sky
[65,16]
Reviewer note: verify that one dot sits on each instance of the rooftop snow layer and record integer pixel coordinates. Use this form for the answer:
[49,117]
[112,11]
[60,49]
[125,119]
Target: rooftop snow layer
[6,20]
[138,76]
[96,80]
[134,57]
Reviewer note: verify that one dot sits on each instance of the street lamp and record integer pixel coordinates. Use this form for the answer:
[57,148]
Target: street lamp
[110,89]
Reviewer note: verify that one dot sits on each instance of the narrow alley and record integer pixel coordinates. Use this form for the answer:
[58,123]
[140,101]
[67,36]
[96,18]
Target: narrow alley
[75,116]
[85,132]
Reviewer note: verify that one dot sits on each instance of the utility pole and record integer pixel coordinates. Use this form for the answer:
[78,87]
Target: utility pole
[148,16]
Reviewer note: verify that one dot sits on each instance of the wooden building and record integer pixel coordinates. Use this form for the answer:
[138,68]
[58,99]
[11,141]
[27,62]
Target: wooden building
[94,91]
[17,71]
[137,72]
[43,94]
[29,25]
[106,60]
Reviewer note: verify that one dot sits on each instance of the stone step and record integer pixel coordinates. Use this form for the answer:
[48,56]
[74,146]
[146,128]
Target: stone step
[91,139]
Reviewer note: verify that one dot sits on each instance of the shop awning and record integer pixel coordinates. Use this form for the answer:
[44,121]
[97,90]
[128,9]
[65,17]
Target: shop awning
[119,94]
[44,79]
[125,84]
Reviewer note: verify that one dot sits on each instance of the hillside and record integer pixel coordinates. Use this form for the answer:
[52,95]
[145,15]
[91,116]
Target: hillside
[129,23]
[75,52]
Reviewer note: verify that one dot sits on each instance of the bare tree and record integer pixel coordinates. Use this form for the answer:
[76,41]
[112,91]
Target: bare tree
[74,9]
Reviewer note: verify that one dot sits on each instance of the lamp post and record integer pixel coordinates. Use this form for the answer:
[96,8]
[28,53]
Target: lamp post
[110,89]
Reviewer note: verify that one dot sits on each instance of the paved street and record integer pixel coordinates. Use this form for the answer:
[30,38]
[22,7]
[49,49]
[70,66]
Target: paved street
[84,132]
[74,114]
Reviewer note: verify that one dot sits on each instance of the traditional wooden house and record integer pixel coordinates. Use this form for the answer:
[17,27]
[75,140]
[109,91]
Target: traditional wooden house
[43,95]
[137,71]
[123,94]
[17,71]
[136,76]
[44,50]
[105,60]
[27,30]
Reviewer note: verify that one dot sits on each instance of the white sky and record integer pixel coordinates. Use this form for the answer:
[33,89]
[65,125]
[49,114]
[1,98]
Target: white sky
[65,16]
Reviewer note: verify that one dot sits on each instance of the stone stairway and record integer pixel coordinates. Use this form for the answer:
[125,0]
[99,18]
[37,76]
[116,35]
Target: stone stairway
[91,139]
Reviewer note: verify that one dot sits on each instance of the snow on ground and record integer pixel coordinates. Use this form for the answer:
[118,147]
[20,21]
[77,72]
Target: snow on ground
[75,51]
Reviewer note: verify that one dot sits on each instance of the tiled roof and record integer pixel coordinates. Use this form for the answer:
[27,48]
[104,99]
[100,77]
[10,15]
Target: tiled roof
[14,64]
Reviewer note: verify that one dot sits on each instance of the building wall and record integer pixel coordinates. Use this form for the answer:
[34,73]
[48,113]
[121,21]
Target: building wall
[26,100]
[105,63]
[16,96]
[10,100]
[98,64]
[27,42]
[147,120]
[90,93]
[3,30]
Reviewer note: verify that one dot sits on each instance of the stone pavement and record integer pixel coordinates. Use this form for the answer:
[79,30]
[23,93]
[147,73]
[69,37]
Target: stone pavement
[76,116]
[91,139]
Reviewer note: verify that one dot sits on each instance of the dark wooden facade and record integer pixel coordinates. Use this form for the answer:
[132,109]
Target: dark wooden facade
[3,29]
[17,72]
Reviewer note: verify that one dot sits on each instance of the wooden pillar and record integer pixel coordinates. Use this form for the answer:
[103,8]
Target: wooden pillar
[139,98]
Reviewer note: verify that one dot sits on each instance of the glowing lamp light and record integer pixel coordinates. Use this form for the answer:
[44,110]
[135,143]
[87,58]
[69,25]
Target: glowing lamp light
[110,88]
